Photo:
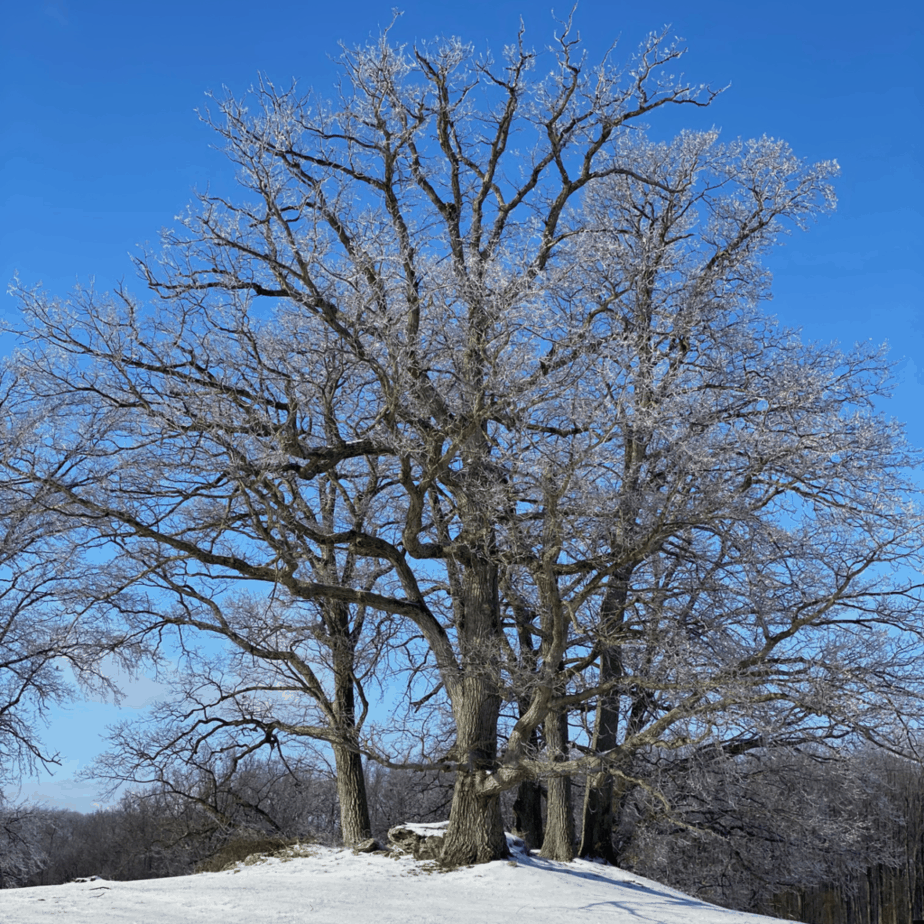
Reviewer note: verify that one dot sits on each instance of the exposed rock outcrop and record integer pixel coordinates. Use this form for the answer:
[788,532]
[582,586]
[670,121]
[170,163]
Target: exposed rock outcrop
[423,842]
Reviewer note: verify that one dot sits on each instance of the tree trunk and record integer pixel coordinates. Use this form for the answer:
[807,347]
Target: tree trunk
[623,833]
[476,829]
[597,815]
[605,798]
[527,814]
[597,821]
[558,843]
[351,794]
[527,809]
[355,825]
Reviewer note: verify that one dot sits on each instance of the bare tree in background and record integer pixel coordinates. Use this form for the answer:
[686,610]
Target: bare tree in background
[31,641]
[50,644]
[20,849]
[471,356]
[50,647]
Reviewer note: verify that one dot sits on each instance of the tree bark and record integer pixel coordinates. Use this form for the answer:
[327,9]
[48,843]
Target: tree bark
[355,825]
[558,843]
[476,829]
[622,834]
[606,796]
[351,795]
[527,809]
[597,815]
[597,819]
[527,814]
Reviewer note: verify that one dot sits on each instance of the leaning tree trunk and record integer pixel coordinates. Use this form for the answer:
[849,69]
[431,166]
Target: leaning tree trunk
[558,843]
[476,830]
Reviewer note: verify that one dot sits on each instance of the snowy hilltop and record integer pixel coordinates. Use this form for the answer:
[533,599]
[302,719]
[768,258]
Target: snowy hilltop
[329,886]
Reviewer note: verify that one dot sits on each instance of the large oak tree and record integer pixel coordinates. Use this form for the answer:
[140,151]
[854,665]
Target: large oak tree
[470,356]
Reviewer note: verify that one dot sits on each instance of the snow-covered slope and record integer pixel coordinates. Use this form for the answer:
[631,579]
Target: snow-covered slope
[340,887]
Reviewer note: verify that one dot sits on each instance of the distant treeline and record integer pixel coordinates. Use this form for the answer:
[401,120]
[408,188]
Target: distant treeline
[160,833]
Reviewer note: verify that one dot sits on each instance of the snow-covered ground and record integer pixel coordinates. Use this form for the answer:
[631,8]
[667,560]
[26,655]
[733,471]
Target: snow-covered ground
[339,887]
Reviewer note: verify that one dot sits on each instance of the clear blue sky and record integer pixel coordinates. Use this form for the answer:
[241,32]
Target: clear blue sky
[100,147]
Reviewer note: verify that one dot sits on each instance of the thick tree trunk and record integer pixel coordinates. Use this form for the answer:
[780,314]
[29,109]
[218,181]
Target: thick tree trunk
[476,829]
[351,794]
[558,843]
